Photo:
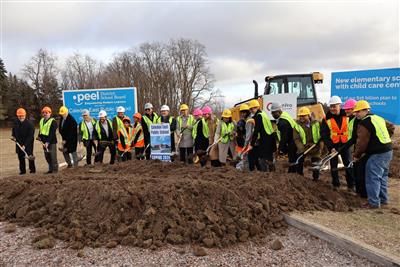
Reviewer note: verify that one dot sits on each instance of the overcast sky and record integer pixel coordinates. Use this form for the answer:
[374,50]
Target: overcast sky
[244,40]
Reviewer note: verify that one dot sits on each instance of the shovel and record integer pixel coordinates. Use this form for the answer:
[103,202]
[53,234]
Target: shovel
[31,157]
[304,153]
[324,161]
[46,150]
[240,165]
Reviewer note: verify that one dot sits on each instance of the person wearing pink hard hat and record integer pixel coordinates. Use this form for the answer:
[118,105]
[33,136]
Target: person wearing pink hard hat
[200,132]
[212,122]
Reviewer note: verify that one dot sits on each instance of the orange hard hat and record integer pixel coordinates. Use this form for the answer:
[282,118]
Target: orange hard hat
[46,109]
[126,118]
[21,112]
[138,116]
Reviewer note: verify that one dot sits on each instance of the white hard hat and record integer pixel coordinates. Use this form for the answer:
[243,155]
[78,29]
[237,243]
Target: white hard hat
[335,100]
[275,107]
[164,108]
[120,109]
[85,112]
[102,113]
[148,106]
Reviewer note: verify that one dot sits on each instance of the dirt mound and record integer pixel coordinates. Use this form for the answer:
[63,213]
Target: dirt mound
[149,203]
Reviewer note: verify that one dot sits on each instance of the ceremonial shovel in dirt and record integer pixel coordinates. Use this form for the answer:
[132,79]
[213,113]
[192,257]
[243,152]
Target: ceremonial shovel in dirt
[31,157]
[304,153]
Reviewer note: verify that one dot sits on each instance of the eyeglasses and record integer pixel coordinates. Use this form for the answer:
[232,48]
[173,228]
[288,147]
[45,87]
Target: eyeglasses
[146,109]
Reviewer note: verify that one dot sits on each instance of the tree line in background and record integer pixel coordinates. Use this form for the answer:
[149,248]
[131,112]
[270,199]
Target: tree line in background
[164,73]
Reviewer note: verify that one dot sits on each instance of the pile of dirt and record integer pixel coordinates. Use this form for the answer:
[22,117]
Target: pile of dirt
[151,203]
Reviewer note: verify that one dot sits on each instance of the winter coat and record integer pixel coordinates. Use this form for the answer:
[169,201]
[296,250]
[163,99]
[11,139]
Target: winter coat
[24,133]
[68,129]
[326,132]
[266,143]
[316,151]
[212,126]
[187,138]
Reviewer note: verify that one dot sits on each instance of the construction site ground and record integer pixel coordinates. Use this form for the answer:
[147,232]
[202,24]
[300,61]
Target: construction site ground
[234,216]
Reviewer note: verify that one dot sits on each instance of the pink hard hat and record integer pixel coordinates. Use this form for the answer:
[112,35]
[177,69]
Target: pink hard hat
[197,112]
[350,103]
[207,110]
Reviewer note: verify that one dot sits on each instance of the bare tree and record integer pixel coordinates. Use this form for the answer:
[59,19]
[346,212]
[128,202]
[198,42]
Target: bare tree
[42,74]
[81,72]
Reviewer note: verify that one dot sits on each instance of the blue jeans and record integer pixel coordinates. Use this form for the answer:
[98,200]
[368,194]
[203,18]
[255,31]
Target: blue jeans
[376,178]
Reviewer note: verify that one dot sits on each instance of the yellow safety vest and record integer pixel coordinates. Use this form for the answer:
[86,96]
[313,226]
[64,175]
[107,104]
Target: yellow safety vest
[98,129]
[226,132]
[206,131]
[294,125]
[84,129]
[380,128]
[44,127]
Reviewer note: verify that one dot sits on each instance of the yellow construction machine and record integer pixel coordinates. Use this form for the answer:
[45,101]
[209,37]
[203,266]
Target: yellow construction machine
[301,84]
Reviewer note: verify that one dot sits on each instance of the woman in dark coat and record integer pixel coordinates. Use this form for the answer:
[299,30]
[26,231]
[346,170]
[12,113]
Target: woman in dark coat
[69,132]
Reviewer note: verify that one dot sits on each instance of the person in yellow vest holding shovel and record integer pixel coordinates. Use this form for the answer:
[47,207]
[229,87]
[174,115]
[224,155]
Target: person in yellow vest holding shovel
[148,118]
[263,141]
[86,130]
[373,139]
[225,136]
[286,126]
[311,145]
[48,138]
[185,123]
[335,134]
[125,135]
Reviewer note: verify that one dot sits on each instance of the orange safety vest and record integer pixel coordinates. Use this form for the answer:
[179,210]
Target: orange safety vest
[339,135]
[140,140]
[127,134]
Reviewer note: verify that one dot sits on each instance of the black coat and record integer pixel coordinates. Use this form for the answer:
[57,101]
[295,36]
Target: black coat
[69,133]
[24,132]
[267,142]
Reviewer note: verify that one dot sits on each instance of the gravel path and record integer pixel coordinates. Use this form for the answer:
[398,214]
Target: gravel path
[300,249]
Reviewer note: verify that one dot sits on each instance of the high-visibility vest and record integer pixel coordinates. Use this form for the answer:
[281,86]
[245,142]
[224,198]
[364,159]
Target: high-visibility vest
[351,125]
[148,121]
[190,121]
[315,129]
[44,127]
[120,123]
[85,130]
[206,131]
[266,123]
[140,140]
[169,120]
[226,132]
[98,129]
[380,128]
[295,126]
[339,135]
[127,134]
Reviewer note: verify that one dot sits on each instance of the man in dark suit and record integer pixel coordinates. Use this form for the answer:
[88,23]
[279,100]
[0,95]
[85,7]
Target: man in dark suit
[69,132]
[23,133]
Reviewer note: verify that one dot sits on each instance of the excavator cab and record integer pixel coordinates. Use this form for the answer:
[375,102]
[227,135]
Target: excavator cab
[303,85]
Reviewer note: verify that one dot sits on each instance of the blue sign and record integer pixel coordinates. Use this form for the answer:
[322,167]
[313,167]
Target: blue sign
[160,139]
[381,88]
[100,99]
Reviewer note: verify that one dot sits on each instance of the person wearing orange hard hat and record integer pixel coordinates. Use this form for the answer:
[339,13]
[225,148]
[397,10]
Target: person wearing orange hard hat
[124,141]
[138,137]
[23,134]
[48,138]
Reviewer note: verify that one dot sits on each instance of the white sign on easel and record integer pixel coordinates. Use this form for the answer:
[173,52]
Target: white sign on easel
[287,101]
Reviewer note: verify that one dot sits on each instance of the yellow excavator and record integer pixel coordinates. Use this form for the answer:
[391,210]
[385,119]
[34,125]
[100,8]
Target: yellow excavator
[301,84]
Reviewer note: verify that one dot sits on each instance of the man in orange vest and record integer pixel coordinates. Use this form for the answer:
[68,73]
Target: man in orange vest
[335,134]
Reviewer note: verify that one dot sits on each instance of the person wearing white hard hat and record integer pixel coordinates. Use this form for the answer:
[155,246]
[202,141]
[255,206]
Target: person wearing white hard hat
[117,121]
[287,126]
[335,134]
[148,118]
[86,134]
[167,118]
[104,137]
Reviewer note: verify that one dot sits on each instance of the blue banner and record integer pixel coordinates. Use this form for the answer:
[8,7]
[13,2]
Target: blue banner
[160,139]
[100,99]
[380,87]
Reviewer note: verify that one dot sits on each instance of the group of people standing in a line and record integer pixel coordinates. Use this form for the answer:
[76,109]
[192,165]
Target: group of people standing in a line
[254,139]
